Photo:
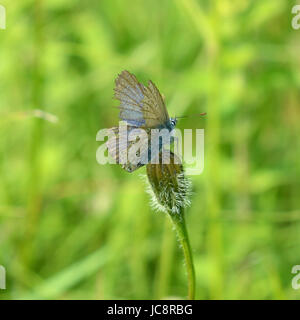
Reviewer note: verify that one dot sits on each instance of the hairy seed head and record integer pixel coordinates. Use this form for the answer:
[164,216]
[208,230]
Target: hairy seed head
[168,187]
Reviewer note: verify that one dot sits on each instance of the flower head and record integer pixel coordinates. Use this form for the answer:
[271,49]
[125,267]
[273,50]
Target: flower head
[169,188]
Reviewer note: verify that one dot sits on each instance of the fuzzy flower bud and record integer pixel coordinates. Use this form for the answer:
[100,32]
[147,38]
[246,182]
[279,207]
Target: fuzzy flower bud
[169,188]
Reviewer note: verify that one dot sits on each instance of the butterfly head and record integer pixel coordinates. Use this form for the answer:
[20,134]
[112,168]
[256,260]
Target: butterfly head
[172,123]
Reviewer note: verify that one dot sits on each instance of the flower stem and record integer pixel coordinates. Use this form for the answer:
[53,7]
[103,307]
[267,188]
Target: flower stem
[180,226]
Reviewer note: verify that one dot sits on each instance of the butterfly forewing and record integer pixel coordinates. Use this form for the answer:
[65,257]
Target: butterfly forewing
[140,106]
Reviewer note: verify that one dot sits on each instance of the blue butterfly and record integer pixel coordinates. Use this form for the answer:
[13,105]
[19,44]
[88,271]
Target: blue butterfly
[141,107]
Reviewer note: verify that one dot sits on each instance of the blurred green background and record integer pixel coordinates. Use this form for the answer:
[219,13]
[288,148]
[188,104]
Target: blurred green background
[72,229]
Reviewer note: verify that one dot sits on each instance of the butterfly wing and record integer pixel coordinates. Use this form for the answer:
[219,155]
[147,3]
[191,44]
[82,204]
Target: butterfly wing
[119,148]
[140,106]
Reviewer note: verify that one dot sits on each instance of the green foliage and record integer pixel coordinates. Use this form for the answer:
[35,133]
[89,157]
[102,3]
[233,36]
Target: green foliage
[72,229]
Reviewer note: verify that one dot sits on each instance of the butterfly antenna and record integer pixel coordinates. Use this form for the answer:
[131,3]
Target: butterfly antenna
[194,115]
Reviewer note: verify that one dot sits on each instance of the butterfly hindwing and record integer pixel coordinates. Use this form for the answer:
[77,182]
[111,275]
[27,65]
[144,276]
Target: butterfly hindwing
[119,149]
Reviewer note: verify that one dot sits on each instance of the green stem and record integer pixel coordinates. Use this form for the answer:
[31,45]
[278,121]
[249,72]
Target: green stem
[162,279]
[180,226]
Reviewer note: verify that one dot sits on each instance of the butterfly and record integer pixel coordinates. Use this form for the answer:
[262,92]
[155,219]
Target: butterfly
[142,108]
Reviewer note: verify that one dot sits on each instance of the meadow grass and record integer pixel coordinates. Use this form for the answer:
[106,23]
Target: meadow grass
[72,229]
